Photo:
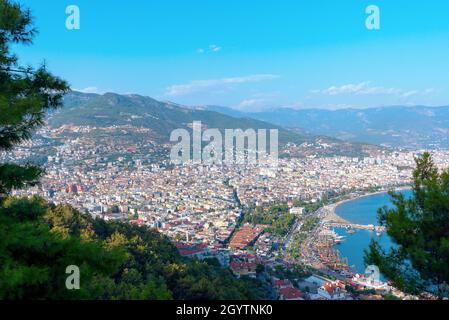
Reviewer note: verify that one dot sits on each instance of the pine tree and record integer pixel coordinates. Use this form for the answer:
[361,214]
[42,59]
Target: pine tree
[419,227]
[26,95]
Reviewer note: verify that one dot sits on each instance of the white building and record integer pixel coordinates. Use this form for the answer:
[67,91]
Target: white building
[297,211]
[332,291]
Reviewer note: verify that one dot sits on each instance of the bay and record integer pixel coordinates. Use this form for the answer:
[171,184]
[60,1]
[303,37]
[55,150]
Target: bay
[362,210]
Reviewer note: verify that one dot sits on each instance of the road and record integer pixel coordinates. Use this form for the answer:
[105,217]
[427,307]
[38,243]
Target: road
[310,257]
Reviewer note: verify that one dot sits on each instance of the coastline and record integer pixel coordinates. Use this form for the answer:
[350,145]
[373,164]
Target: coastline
[332,217]
[331,209]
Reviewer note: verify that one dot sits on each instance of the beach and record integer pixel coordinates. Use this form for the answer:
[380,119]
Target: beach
[331,210]
[361,210]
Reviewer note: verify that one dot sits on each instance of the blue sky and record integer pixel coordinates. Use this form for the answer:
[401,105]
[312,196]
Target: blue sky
[250,55]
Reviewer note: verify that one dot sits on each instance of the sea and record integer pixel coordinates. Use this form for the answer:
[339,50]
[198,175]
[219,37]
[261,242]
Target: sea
[362,211]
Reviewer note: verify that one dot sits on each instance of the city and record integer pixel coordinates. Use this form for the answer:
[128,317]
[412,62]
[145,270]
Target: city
[223,158]
[201,208]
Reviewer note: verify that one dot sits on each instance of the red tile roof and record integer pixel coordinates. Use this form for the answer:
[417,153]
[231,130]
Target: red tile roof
[291,293]
[242,265]
[280,283]
[244,236]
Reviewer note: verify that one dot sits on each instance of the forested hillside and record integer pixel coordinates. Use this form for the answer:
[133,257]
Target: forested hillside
[39,240]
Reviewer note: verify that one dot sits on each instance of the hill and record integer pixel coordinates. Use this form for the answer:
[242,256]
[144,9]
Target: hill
[396,126]
[162,118]
[116,260]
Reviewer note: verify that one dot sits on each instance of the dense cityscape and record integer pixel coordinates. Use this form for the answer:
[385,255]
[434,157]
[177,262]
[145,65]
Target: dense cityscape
[223,158]
[206,210]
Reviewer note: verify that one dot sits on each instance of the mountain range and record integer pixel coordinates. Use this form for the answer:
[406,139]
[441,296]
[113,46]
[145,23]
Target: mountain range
[162,118]
[396,126]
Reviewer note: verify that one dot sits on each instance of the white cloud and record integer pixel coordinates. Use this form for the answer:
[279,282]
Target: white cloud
[410,93]
[430,91]
[199,85]
[90,90]
[251,103]
[347,88]
[212,48]
[365,88]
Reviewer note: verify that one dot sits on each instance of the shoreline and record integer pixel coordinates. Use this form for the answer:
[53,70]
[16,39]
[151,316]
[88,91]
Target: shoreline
[332,216]
[332,208]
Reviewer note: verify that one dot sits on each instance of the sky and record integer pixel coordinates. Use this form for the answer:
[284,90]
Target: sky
[249,55]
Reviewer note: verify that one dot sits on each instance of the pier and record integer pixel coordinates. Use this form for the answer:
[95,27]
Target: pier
[331,219]
[369,227]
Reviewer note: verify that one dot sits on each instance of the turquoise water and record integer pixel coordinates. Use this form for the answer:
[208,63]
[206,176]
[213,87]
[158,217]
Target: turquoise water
[362,211]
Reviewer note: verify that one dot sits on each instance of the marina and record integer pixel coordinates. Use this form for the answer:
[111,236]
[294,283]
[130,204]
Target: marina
[345,232]
[357,225]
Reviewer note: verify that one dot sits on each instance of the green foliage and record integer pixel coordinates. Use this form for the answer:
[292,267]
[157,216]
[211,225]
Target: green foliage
[389,296]
[293,273]
[34,257]
[15,176]
[308,224]
[114,109]
[419,227]
[260,269]
[25,94]
[310,207]
[277,217]
[357,293]
[116,260]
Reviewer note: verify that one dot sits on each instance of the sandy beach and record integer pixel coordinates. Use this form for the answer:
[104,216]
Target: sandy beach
[331,212]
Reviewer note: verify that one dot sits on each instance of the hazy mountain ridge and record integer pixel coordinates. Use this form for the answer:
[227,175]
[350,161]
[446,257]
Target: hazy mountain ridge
[161,117]
[164,117]
[396,126]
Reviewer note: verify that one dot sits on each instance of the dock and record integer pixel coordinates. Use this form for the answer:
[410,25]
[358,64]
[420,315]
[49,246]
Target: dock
[369,227]
[331,219]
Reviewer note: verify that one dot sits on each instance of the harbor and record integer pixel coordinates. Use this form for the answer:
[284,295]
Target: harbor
[333,220]
[354,224]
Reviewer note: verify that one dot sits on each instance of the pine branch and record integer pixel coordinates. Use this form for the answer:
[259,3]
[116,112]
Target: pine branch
[17,70]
